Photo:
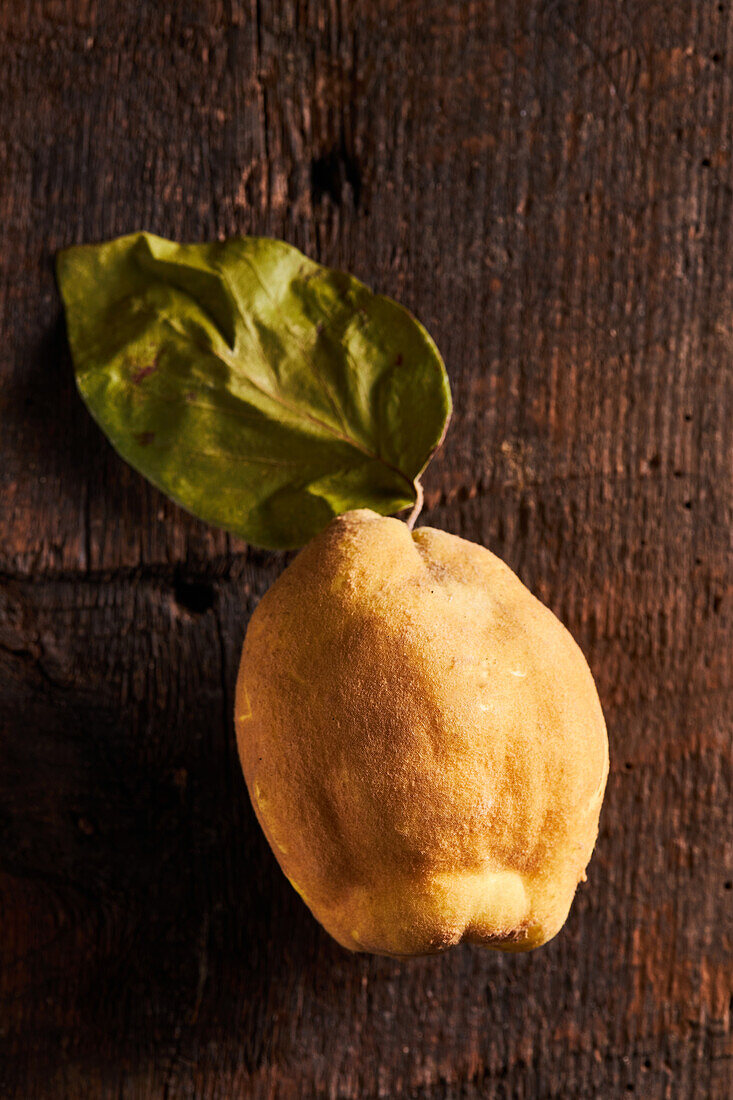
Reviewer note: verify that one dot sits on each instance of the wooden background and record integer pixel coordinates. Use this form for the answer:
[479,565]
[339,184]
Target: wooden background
[549,186]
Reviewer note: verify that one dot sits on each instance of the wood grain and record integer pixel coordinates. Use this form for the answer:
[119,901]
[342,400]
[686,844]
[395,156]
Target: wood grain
[549,186]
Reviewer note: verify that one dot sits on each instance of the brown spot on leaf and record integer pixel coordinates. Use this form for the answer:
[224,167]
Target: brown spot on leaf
[144,438]
[143,372]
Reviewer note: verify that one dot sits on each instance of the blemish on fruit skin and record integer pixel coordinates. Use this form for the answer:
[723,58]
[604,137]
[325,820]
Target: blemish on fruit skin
[144,438]
[516,672]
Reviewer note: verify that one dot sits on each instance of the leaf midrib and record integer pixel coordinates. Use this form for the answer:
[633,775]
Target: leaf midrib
[295,410]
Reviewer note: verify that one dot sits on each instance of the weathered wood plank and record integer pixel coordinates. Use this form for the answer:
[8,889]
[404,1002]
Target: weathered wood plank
[549,186]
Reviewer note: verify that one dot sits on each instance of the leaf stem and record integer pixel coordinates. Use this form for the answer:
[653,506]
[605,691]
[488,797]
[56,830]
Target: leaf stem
[417,506]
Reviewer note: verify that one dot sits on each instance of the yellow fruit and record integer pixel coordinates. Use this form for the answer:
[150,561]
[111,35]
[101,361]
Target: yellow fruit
[422,742]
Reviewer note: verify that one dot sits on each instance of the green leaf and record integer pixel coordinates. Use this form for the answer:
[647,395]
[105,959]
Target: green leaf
[261,391]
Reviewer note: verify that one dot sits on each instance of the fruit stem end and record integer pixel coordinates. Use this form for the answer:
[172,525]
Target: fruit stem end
[417,506]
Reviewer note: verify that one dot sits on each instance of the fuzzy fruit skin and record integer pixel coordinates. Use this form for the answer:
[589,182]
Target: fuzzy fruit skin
[422,742]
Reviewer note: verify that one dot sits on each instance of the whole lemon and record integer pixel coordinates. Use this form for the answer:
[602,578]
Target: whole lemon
[422,742]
